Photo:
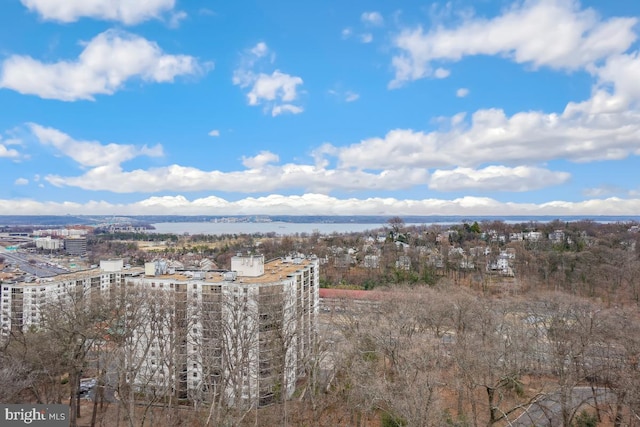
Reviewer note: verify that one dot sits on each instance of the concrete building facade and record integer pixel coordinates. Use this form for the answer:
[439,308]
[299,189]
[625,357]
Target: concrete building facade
[76,246]
[246,333]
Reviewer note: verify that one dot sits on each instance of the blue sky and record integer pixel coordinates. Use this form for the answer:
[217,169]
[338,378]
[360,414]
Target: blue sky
[423,108]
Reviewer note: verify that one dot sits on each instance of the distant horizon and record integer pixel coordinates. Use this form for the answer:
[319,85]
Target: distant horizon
[378,220]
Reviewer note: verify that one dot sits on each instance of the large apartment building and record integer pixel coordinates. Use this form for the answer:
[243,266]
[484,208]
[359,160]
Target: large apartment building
[245,333]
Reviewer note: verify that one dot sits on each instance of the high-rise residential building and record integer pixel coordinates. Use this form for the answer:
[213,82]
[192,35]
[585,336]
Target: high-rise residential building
[75,246]
[244,335]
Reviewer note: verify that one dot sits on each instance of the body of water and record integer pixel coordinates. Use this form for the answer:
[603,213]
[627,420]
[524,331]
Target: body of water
[289,228]
[281,228]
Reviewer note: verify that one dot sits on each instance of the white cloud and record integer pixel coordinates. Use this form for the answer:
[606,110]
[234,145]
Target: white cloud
[126,11]
[601,128]
[8,152]
[286,108]
[351,96]
[214,132]
[496,178]
[318,204]
[276,91]
[261,160]
[260,50]
[623,72]
[91,153]
[462,92]
[21,181]
[103,67]
[104,171]
[551,33]
[346,33]
[262,178]
[274,86]
[372,18]
[441,73]
[177,18]
[366,38]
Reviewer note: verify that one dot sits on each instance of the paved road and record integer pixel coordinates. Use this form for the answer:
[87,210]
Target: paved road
[39,269]
[548,411]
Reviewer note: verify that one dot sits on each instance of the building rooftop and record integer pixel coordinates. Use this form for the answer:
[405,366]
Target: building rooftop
[274,271]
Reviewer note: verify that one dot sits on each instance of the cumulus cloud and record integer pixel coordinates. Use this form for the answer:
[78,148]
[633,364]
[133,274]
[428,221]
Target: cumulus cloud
[262,173]
[551,33]
[372,18]
[496,178]
[600,128]
[10,153]
[270,87]
[622,71]
[259,50]
[441,73]
[286,108]
[319,204]
[259,178]
[126,11]
[21,181]
[107,61]
[91,153]
[276,90]
[214,133]
[262,159]
[462,92]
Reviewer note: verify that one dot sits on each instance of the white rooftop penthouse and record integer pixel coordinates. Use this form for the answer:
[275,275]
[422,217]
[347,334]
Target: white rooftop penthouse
[248,266]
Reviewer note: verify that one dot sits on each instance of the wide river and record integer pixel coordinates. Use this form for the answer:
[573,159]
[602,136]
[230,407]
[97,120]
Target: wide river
[281,228]
[288,228]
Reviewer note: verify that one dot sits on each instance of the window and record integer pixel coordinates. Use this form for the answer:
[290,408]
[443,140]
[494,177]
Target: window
[195,375]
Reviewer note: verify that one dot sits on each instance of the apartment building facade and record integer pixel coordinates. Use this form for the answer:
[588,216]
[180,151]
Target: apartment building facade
[242,335]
